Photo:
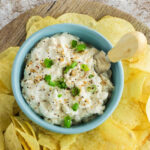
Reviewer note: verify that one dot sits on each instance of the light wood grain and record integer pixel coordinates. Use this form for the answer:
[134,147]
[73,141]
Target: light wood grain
[13,34]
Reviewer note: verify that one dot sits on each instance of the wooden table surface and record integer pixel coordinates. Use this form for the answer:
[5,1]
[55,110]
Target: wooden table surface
[9,9]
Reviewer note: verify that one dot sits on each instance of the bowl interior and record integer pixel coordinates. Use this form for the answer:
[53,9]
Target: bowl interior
[86,35]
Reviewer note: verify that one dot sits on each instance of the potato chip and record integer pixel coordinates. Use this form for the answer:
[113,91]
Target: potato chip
[23,142]
[145,146]
[128,71]
[6,61]
[67,141]
[31,21]
[77,19]
[47,141]
[1,140]
[144,63]
[6,110]
[142,135]
[120,135]
[128,113]
[30,140]
[23,126]
[11,139]
[113,28]
[133,91]
[47,21]
[31,129]
[106,136]
[148,109]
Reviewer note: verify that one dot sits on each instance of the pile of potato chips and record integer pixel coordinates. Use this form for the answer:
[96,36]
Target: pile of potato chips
[128,127]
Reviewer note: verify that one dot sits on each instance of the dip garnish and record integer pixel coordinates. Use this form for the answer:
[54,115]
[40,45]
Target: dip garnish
[84,67]
[80,47]
[75,106]
[61,83]
[47,78]
[92,88]
[75,91]
[67,68]
[73,43]
[91,76]
[67,121]
[59,95]
[48,62]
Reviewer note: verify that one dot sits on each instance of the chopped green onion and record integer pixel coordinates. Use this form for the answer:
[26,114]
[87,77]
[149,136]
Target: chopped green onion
[80,47]
[74,64]
[61,84]
[75,91]
[91,76]
[47,78]
[92,88]
[67,121]
[52,83]
[84,67]
[48,63]
[74,43]
[75,106]
[67,68]
[59,95]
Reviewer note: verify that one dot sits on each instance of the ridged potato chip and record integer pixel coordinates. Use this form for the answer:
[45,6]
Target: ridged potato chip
[141,136]
[128,113]
[144,63]
[6,62]
[145,146]
[31,21]
[148,109]
[106,136]
[47,21]
[30,140]
[77,19]
[11,139]
[1,140]
[47,141]
[6,110]
[67,141]
[113,28]
[135,86]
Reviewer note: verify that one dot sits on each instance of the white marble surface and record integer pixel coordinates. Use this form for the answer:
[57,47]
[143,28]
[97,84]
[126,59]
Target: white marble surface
[10,9]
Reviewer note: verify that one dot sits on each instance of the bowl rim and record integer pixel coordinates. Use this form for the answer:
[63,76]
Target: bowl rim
[35,117]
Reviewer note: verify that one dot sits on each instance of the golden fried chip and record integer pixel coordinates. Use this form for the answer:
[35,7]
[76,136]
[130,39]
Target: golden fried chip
[106,136]
[119,135]
[6,62]
[128,113]
[11,139]
[148,109]
[31,21]
[77,19]
[135,86]
[1,140]
[142,135]
[30,140]
[144,63]
[6,110]
[23,142]
[113,28]
[67,141]
[128,71]
[47,21]
[145,146]
[47,141]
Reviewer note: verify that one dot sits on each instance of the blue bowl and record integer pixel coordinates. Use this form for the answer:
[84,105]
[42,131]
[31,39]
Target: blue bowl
[86,35]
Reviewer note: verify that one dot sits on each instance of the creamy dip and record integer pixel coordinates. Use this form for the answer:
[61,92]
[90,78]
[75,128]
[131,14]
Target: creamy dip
[60,80]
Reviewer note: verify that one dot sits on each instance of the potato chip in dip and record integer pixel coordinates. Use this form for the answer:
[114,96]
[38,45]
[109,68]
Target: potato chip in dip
[66,81]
